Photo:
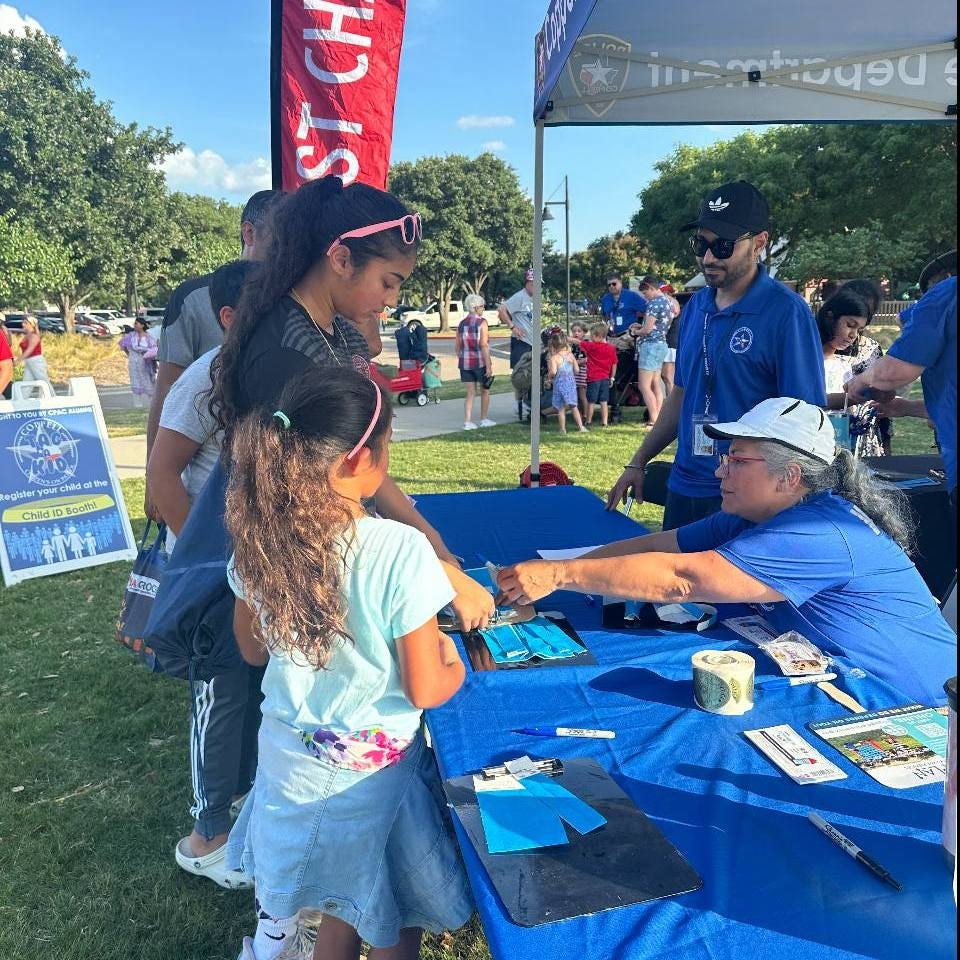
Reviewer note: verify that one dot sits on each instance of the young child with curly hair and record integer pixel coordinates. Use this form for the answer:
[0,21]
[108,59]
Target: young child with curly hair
[345,817]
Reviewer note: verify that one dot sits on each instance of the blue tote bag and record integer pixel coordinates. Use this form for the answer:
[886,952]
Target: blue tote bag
[190,628]
[142,585]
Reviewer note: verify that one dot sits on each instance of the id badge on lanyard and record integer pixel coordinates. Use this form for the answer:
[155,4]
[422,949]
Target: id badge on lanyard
[701,444]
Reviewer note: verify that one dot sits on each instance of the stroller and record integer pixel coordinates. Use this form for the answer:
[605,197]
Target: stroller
[412,344]
[416,376]
[521,377]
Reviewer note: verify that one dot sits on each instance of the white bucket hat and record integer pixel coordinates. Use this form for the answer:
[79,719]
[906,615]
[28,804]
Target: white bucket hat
[794,423]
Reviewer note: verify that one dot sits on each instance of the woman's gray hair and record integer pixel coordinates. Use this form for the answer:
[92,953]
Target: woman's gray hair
[847,477]
[473,303]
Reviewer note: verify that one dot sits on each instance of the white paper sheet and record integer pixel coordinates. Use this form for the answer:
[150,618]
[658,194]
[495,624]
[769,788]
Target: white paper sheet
[571,553]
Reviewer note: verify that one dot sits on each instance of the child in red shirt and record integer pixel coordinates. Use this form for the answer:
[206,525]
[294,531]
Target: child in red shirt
[601,369]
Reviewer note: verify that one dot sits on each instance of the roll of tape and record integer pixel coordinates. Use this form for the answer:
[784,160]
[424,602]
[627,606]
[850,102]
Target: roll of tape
[723,681]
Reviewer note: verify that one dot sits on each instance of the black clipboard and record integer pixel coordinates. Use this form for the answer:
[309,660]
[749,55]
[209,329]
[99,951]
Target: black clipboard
[625,862]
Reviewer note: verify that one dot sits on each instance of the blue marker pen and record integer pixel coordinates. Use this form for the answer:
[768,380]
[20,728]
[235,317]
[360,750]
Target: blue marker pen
[772,683]
[566,732]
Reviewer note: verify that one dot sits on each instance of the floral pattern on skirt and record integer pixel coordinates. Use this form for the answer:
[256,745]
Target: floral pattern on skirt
[362,750]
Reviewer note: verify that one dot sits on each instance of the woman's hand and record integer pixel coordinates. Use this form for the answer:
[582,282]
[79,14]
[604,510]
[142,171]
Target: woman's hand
[473,604]
[528,582]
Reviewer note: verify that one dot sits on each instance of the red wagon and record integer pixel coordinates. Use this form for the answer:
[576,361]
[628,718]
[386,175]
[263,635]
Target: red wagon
[407,384]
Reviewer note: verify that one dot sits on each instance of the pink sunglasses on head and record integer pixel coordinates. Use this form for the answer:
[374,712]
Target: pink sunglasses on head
[411,230]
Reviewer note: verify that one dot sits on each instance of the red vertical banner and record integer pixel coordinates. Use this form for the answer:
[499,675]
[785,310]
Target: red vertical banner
[333,85]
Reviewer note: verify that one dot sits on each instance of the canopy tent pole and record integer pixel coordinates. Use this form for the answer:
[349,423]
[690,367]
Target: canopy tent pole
[537,303]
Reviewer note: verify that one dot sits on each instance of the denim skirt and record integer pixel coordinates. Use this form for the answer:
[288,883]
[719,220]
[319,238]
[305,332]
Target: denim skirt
[374,849]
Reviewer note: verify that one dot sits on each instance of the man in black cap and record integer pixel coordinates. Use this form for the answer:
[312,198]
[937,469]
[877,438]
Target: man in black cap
[190,326]
[745,338]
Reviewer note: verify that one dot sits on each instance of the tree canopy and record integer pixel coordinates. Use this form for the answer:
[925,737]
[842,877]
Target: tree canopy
[621,252]
[827,185]
[87,184]
[477,222]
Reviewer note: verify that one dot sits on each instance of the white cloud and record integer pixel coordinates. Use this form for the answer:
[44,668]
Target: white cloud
[494,146]
[474,121]
[12,21]
[208,172]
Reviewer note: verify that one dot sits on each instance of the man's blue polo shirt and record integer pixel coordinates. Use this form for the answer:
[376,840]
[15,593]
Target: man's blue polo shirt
[620,314]
[764,345]
[929,339]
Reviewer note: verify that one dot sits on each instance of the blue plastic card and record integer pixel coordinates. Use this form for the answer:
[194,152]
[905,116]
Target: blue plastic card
[580,815]
[517,820]
[536,638]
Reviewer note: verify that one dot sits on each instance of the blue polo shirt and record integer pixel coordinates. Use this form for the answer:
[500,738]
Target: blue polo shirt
[621,313]
[764,345]
[848,588]
[929,339]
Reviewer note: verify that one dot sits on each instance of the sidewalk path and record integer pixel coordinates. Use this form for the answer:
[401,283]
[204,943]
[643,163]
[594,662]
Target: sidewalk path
[444,348]
[409,423]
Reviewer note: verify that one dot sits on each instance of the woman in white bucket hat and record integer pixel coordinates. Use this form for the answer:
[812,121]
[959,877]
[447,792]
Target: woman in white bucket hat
[805,532]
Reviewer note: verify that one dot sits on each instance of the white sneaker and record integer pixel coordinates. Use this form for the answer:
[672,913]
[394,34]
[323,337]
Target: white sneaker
[487,422]
[469,425]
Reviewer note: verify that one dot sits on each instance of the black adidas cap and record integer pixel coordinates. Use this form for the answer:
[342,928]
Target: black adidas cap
[731,210]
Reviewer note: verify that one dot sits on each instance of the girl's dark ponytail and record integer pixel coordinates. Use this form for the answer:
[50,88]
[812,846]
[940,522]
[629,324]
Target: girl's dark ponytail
[298,231]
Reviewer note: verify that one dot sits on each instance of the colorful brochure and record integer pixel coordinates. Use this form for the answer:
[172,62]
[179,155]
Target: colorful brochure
[901,747]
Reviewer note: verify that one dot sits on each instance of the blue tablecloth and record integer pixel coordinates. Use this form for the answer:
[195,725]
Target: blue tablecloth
[773,885]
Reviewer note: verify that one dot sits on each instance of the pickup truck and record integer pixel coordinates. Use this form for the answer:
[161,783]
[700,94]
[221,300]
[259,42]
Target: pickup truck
[429,316]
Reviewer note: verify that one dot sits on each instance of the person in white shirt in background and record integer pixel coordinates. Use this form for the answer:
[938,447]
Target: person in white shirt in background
[223,741]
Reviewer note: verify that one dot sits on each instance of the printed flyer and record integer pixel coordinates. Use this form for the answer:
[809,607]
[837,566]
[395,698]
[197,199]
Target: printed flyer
[901,747]
[61,507]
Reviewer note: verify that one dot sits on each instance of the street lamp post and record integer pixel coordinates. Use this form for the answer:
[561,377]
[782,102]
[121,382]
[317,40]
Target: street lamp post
[547,215]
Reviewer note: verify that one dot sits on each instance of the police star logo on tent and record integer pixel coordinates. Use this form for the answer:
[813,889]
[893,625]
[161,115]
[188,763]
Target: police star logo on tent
[598,65]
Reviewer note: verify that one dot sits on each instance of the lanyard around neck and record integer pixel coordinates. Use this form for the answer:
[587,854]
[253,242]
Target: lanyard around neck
[710,367]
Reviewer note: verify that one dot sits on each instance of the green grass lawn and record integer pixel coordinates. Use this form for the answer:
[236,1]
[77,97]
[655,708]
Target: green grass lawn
[127,422]
[94,778]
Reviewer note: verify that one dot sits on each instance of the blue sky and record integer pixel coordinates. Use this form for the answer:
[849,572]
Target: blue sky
[202,68]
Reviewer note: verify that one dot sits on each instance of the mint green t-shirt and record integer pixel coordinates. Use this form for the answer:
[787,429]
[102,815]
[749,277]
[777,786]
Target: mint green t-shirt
[393,583]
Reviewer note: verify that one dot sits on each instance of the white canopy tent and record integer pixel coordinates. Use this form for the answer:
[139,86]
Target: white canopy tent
[626,62]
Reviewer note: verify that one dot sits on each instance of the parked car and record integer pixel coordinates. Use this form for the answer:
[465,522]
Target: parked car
[429,315]
[113,320]
[89,326]
[49,321]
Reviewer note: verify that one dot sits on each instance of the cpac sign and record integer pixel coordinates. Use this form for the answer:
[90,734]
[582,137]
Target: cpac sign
[334,88]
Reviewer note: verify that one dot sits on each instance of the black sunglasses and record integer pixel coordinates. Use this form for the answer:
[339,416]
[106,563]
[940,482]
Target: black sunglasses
[721,248]
[612,283]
